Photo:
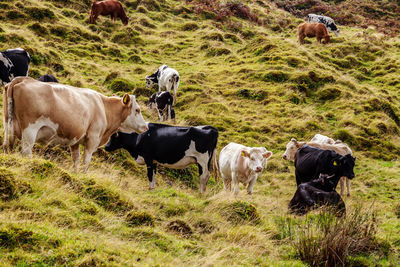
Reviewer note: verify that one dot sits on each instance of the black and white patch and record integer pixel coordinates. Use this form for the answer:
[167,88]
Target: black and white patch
[171,146]
[162,102]
[13,63]
[327,21]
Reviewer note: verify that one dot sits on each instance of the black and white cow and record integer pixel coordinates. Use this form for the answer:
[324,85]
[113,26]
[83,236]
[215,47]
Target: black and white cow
[317,193]
[171,146]
[48,78]
[13,63]
[165,77]
[310,162]
[328,21]
[162,103]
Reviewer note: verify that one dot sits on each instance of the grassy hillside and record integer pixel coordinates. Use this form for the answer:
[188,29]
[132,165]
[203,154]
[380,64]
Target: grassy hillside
[246,75]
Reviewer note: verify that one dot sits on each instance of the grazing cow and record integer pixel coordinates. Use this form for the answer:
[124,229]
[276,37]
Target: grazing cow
[62,114]
[317,193]
[174,147]
[337,146]
[48,78]
[108,7]
[310,162]
[162,102]
[317,30]
[327,21]
[13,63]
[165,77]
[239,163]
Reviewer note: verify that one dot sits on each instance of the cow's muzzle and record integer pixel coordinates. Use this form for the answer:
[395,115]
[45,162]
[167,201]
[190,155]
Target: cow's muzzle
[259,169]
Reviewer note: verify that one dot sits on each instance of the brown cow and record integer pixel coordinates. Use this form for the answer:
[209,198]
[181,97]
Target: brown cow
[317,30]
[108,7]
[339,147]
[62,114]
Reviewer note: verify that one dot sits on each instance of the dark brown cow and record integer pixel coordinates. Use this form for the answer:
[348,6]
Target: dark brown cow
[317,30]
[108,7]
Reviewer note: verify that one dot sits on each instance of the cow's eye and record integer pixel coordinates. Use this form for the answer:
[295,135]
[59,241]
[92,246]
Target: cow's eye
[137,111]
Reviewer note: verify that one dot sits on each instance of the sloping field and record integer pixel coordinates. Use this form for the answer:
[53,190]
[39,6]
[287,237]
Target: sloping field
[247,76]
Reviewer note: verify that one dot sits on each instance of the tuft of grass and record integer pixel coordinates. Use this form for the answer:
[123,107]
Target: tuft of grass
[8,187]
[134,218]
[121,85]
[241,211]
[180,227]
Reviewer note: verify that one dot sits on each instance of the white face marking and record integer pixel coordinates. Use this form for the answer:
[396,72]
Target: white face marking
[256,160]
[291,149]
[134,122]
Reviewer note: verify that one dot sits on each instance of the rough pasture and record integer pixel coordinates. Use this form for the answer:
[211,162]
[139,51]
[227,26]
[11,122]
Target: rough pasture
[248,78]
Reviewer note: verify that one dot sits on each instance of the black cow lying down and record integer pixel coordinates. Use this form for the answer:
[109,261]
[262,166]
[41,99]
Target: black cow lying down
[310,162]
[48,78]
[172,146]
[317,193]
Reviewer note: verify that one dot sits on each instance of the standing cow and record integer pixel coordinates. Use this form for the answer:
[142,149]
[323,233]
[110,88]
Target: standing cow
[310,162]
[239,163]
[62,114]
[327,21]
[165,77]
[162,103]
[13,63]
[108,7]
[317,30]
[174,147]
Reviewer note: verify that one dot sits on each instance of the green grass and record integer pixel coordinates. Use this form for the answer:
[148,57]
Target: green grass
[254,83]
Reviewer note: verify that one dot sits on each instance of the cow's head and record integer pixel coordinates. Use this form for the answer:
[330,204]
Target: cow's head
[333,28]
[121,140]
[125,20]
[151,81]
[347,164]
[134,122]
[329,181]
[257,158]
[291,149]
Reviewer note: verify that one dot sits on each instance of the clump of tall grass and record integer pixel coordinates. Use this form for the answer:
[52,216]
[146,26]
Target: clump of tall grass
[325,240]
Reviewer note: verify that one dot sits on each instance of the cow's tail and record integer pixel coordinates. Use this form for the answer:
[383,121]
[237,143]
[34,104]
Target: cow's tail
[215,165]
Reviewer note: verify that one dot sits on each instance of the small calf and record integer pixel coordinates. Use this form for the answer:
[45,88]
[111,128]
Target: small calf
[239,163]
[317,193]
[162,102]
[48,78]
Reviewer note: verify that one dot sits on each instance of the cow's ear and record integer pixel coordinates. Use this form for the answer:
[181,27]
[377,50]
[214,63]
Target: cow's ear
[244,153]
[126,99]
[267,155]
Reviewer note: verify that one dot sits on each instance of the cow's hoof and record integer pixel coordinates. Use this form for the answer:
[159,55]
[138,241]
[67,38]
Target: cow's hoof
[151,188]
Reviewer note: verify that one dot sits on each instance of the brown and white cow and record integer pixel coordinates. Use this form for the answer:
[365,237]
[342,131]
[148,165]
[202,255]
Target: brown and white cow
[317,30]
[62,114]
[339,147]
[238,163]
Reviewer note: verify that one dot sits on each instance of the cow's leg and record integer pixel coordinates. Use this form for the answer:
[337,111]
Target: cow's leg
[227,182]
[235,181]
[151,174]
[90,147]
[348,186]
[28,140]
[160,114]
[342,186]
[76,156]
[251,184]
[204,175]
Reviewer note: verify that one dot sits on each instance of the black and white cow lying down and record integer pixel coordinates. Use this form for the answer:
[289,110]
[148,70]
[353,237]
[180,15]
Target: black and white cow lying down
[162,103]
[165,77]
[171,146]
[13,63]
[327,21]
[310,162]
[317,193]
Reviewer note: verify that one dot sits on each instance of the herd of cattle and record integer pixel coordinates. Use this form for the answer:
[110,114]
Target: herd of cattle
[45,110]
